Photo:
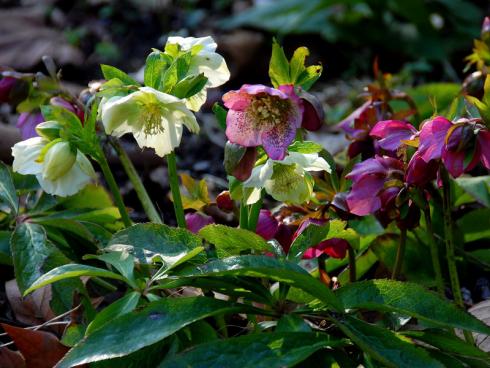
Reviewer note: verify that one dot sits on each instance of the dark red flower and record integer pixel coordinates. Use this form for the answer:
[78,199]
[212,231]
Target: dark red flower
[195,221]
[267,225]
[313,114]
[224,201]
[6,86]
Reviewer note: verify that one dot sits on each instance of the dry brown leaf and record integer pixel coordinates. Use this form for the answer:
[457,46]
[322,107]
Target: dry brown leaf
[33,309]
[11,359]
[40,349]
[25,39]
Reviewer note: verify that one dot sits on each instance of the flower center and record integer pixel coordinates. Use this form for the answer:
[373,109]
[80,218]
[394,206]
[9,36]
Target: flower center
[152,118]
[267,109]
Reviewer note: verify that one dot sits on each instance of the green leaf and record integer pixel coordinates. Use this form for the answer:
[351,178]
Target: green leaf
[442,93]
[310,236]
[30,252]
[7,188]
[478,187]
[120,307]
[309,76]
[176,72]
[232,241]
[389,348]
[156,64]
[68,271]
[408,299]
[189,86]
[64,117]
[70,226]
[305,147]
[267,267]
[5,254]
[121,261]
[297,63]
[147,241]
[220,112]
[91,196]
[279,66]
[292,323]
[144,327]
[475,225]
[264,350]
[110,72]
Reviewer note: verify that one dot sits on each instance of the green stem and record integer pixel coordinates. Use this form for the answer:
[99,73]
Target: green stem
[450,248]
[254,215]
[113,187]
[399,254]
[352,264]
[434,252]
[138,186]
[243,220]
[174,187]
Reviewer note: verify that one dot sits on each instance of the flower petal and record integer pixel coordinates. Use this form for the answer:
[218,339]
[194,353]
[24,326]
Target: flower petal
[26,153]
[453,161]
[164,142]
[484,144]
[362,199]
[212,65]
[392,133]
[432,138]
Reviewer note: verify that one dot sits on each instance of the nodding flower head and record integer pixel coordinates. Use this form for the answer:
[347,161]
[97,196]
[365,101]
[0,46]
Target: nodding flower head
[392,133]
[263,116]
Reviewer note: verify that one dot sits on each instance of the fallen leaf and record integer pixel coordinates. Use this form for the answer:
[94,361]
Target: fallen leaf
[40,349]
[32,309]
[11,359]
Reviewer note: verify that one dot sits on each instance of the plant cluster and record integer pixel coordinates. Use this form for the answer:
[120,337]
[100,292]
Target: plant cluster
[333,258]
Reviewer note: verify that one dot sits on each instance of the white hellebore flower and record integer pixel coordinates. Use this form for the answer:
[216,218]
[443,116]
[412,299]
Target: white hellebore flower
[59,170]
[287,180]
[153,117]
[206,61]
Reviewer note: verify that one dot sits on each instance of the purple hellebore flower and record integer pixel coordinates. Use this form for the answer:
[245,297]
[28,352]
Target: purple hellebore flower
[195,221]
[368,193]
[392,133]
[27,123]
[335,247]
[261,115]
[267,225]
[356,125]
[313,114]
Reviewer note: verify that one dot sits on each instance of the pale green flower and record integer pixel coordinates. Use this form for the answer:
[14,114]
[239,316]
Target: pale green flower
[154,118]
[59,170]
[205,61]
[287,180]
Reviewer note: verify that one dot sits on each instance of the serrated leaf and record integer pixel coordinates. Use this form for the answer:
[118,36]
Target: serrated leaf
[110,72]
[264,350]
[279,66]
[7,188]
[145,327]
[297,63]
[69,271]
[156,64]
[311,236]
[309,76]
[408,299]
[305,147]
[232,241]
[189,86]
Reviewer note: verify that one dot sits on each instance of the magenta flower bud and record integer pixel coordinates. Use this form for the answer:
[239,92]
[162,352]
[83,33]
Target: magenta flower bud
[27,123]
[263,116]
[335,248]
[224,201]
[267,225]
[392,133]
[244,168]
[195,221]
[72,107]
[6,86]
[313,114]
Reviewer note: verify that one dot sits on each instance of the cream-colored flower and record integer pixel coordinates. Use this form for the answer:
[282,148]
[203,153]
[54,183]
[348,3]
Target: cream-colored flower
[287,180]
[205,61]
[59,170]
[154,118]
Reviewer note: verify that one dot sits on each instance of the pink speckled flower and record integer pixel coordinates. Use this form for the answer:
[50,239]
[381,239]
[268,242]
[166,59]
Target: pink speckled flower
[263,116]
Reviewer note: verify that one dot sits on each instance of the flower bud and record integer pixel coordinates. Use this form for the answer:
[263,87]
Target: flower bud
[6,86]
[485,30]
[49,130]
[266,225]
[195,221]
[313,114]
[224,201]
[58,160]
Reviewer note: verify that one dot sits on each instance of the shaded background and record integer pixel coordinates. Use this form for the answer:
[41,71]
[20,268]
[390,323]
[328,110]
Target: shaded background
[419,41]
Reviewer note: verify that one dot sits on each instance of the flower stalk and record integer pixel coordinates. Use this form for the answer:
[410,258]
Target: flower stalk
[400,254]
[450,248]
[352,264]
[434,252]
[254,215]
[113,187]
[174,188]
[138,186]
[243,220]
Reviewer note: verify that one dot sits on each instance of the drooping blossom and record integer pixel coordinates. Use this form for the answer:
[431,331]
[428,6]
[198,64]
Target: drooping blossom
[392,133]
[334,247]
[263,116]
[224,201]
[195,221]
[369,191]
[154,118]
[313,114]
[267,225]
[204,60]
[286,180]
[59,169]
[27,123]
